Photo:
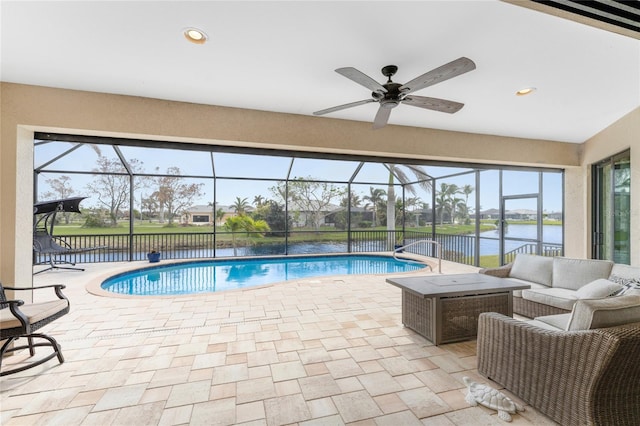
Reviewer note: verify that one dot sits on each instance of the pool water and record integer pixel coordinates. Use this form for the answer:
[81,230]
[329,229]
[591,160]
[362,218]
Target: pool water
[229,274]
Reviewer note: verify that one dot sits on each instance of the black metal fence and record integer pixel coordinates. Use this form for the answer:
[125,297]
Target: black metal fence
[119,247]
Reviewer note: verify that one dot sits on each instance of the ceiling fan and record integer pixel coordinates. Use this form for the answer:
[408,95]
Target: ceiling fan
[389,95]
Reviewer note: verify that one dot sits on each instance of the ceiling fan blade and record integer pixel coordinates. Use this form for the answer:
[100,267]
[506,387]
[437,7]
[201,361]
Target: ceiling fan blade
[440,74]
[435,104]
[345,106]
[362,79]
[382,117]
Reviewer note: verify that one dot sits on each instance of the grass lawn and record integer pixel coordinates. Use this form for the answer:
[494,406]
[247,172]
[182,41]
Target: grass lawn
[158,228]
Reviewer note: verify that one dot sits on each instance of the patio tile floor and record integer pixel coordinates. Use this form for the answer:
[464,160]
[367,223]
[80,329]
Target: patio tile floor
[323,351]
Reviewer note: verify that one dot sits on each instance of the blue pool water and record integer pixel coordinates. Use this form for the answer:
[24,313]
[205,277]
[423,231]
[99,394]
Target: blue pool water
[228,274]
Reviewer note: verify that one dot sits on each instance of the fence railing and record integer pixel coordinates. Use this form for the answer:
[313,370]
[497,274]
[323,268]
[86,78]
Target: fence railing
[124,247]
[548,249]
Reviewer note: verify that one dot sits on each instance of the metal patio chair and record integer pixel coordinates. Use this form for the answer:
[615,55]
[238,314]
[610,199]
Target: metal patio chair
[21,320]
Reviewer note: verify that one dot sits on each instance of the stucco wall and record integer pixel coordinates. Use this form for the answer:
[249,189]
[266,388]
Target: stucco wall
[26,109]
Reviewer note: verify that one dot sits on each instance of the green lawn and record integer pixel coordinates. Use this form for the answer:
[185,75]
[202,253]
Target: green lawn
[158,228]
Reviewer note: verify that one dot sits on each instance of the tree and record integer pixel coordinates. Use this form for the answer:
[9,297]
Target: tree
[60,189]
[240,205]
[273,213]
[174,195]
[246,224]
[311,197]
[258,200]
[467,190]
[150,206]
[219,215]
[353,198]
[446,201]
[111,184]
[375,199]
[453,202]
[396,172]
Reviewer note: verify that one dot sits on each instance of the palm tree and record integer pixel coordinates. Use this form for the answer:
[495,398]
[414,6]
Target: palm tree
[396,172]
[258,200]
[453,189]
[244,223]
[467,190]
[240,206]
[375,198]
[444,199]
[219,214]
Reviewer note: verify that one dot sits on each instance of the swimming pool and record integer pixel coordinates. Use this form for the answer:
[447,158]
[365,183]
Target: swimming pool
[219,275]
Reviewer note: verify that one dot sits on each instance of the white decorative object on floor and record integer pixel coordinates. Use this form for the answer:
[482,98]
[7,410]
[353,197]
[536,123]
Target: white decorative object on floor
[491,398]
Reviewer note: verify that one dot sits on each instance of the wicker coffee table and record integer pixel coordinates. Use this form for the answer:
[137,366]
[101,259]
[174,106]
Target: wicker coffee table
[445,308]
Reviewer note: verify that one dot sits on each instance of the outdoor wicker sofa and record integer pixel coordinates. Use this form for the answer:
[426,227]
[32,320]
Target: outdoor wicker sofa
[588,377]
[558,282]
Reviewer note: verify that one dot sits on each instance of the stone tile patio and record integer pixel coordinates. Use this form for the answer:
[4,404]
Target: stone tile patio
[326,351]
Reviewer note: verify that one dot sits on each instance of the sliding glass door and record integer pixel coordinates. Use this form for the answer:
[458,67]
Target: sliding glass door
[611,207]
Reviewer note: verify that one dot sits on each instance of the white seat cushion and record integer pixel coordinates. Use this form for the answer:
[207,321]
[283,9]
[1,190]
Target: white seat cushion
[541,324]
[557,297]
[554,322]
[518,293]
[34,312]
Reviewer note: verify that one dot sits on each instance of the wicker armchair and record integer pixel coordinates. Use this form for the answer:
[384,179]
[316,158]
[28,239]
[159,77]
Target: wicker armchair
[587,377]
[18,319]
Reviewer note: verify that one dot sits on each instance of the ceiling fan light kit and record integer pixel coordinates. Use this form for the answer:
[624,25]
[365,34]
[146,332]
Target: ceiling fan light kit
[389,95]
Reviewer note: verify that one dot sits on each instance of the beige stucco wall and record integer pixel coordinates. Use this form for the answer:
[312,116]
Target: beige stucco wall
[25,109]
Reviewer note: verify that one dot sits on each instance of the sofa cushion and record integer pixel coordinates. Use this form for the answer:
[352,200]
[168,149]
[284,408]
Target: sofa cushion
[554,322]
[530,267]
[518,293]
[599,313]
[557,297]
[541,324]
[598,289]
[34,312]
[574,273]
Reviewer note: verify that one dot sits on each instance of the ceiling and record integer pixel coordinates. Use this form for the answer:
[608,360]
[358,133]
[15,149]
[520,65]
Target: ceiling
[281,56]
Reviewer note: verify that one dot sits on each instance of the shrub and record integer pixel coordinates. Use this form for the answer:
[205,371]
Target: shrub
[95,220]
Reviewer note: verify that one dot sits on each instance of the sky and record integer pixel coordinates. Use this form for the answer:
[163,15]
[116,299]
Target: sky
[197,164]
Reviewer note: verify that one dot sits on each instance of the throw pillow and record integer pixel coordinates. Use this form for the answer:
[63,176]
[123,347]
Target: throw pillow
[598,289]
[629,285]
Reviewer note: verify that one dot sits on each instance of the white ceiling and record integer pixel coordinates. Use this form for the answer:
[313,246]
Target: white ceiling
[281,56]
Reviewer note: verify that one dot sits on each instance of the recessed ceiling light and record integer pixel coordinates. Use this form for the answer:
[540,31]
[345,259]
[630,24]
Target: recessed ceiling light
[195,35]
[525,91]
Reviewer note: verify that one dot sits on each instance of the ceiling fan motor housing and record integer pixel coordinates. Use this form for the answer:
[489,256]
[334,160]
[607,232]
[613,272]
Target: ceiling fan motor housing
[392,97]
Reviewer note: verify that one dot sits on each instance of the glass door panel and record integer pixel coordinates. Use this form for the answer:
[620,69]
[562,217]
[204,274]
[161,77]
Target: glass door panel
[612,186]
[520,226]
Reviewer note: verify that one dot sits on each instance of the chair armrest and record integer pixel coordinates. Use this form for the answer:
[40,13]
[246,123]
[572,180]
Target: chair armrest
[13,307]
[577,377]
[58,289]
[500,271]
